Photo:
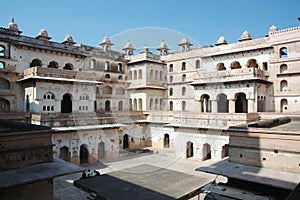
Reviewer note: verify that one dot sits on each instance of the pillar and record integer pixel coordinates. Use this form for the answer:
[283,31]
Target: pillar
[231,106]
[214,106]
[251,106]
[205,105]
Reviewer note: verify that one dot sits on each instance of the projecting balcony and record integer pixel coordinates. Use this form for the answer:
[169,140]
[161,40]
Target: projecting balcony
[58,74]
[231,75]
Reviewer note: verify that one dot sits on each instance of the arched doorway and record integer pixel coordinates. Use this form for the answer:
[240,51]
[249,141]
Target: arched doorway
[206,151]
[101,150]
[166,141]
[107,106]
[120,106]
[66,103]
[64,153]
[4,105]
[225,151]
[125,142]
[189,150]
[241,103]
[222,103]
[84,154]
[283,105]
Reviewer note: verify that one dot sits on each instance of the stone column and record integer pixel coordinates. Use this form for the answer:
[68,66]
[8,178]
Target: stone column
[204,105]
[251,106]
[214,106]
[231,106]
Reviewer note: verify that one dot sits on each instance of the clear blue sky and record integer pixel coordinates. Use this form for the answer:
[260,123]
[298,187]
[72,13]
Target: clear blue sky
[202,20]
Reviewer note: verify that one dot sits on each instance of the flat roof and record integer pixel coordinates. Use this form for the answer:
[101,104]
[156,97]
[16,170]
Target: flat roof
[38,172]
[60,79]
[88,127]
[146,182]
[270,177]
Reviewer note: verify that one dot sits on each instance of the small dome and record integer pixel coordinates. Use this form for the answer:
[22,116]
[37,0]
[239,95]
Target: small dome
[43,35]
[245,36]
[128,46]
[68,40]
[12,26]
[185,40]
[106,41]
[162,45]
[221,40]
[145,49]
[273,28]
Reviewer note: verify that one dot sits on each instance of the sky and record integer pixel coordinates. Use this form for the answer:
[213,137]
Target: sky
[148,22]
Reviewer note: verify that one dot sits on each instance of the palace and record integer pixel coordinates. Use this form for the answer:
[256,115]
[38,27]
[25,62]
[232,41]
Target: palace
[99,101]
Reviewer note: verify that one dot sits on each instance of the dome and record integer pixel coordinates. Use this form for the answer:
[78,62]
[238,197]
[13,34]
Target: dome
[68,40]
[162,45]
[106,41]
[245,36]
[43,35]
[273,28]
[221,40]
[145,49]
[128,46]
[12,26]
[185,40]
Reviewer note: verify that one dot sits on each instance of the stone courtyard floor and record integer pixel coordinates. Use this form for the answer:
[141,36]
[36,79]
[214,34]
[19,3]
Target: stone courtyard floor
[140,166]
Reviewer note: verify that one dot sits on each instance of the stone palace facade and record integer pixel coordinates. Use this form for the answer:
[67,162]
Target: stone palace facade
[99,101]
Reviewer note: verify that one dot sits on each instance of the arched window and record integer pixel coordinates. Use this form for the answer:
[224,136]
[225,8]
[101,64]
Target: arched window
[107,76]
[283,52]
[36,63]
[205,103]
[235,65]
[241,103]
[2,65]
[134,75]
[183,77]
[106,66]
[120,106]
[171,79]
[107,90]
[130,75]
[107,106]
[53,64]
[171,105]
[68,66]
[222,103]
[183,91]
[4,105]
[171,68]
[252,63]
[183,66]
[189,150]
[171,91]
[183,105]
[283,86]
[140,104]
[221,66]
[49,95]
[120,91]
[160,75]
[140,74]
[2,51]
[151,74]
[283,68]
[66,103]
[283,105]
[120,67]
[156,75]
[197,64]
[120,77]
[4,84]
[92,64]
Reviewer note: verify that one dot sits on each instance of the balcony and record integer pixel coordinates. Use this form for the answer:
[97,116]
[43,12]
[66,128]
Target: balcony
[58,74]
[231,75]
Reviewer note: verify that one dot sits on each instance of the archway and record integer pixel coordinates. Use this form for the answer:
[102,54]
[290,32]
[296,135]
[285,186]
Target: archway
[66,103]
[120,106]
[125,142]
[189,150]
[241,103]
[222,103]
[225,151]
[206,151]
[4,105]
[107,106]
[64,153]
[101,150]
[166,141]
[283,105]
[84,154]
[205,103]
